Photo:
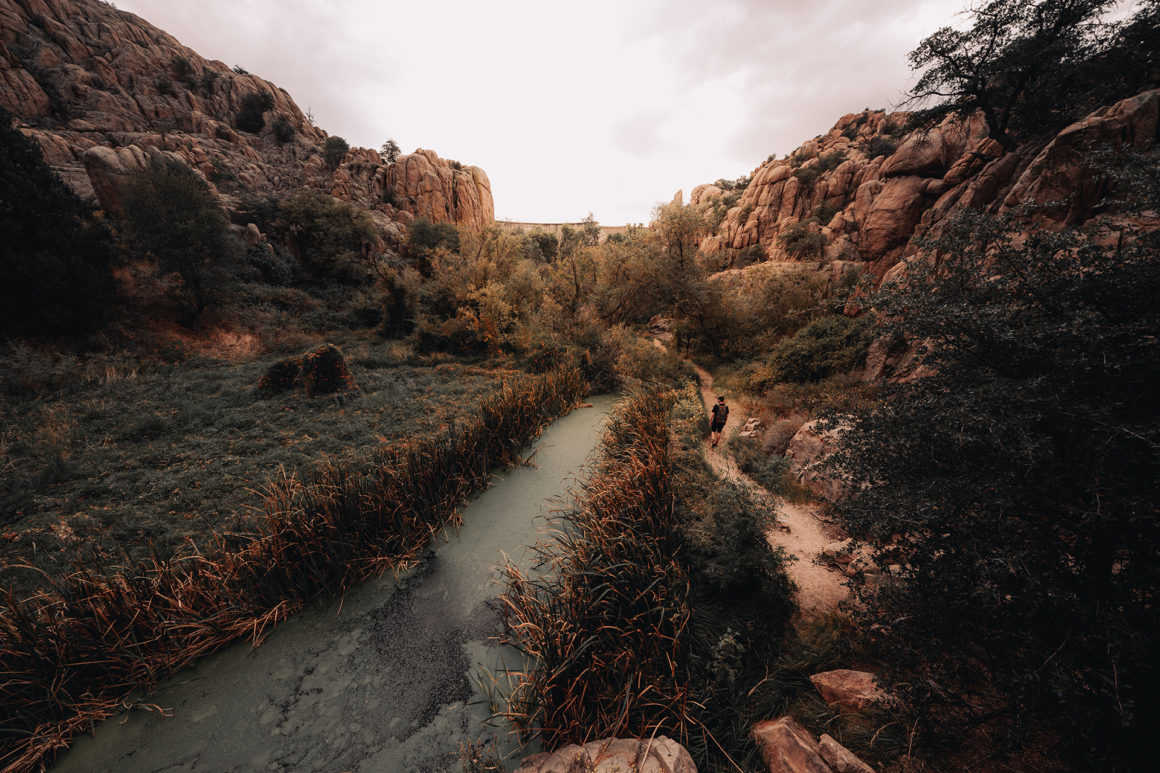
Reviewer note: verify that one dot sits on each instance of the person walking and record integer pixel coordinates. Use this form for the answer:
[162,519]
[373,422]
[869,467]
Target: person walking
[720,415]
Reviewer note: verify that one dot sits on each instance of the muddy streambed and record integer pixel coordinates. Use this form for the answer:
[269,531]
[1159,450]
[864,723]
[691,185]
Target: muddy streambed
[382,680]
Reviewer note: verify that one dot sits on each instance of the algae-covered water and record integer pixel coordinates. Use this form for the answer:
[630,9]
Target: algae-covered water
[382,680]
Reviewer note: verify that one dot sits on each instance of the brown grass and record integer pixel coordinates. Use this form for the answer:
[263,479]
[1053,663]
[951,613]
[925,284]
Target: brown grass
[74,655]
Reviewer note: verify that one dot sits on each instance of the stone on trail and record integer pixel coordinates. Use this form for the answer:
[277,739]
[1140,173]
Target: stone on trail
[614,755]
[787,747]
[848,691]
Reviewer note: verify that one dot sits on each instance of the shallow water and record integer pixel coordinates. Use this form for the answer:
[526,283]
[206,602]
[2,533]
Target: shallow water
[381,680]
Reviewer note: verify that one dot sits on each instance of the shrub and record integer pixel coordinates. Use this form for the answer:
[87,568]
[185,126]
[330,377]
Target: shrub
[808,175]
[1022,477]
[54,256]
[802,239]
[777,437]
[881,146]
[424,237]
[828,162]
[823,348]
[390,151]
[172,217]
[283,130]
[334,151]
[322,371]
[328,237]
[183,72]
[251,113]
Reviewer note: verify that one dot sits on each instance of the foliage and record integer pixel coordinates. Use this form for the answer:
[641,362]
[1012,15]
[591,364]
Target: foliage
[172,217]
[390,151]
[251,116]
[881,145]
[54,255]
[334,151]
[802,239]
[329,238]
[824,347]
[283,130]
[1034,66]
[425,238]
[808,175]
[1021,475]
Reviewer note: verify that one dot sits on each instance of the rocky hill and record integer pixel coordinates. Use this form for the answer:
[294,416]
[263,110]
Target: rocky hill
[865,190]
[101,90]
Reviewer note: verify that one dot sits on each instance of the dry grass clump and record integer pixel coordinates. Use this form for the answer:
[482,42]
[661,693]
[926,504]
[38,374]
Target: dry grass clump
[73,656]
[777,437]
[608,626]
[320,372]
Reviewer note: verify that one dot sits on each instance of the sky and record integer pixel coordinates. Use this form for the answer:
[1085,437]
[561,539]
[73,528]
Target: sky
[606,107]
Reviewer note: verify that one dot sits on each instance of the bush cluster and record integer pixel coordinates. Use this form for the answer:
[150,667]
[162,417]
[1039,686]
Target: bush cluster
[825,347]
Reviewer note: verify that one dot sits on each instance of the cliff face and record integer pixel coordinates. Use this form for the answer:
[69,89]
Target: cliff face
[101,89]
[866,189]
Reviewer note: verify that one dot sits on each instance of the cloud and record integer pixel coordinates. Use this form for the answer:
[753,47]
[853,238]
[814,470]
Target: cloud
[610,107]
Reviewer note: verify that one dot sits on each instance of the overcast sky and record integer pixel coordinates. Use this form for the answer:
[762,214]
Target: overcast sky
[606,107]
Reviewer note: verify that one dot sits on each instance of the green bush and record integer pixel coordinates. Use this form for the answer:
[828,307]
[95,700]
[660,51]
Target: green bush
[881,146]
[283,130]
[1021,476]
[802,239]
[824,347]
[54,256]
[808,175]
[334,151]
[329,238]
[172,217]
[424,237]
[251,115]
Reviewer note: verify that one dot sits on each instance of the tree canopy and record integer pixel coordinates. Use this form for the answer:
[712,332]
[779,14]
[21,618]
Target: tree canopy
[1030,66]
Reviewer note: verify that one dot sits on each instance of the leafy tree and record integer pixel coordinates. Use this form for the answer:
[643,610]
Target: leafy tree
[1012,64]
[329,238]
[54,255]
[334,151]
[424,237]
[1021,479]
[390,151]
[172,217]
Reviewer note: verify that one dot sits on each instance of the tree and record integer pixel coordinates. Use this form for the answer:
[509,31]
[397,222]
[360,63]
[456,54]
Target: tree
[1020,481]
[54,255]
[172,217]
[1012,64]
[334,151]
[425,237]
[390,151]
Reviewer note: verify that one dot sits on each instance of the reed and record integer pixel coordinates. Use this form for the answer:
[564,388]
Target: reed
[657,605]
[76,655]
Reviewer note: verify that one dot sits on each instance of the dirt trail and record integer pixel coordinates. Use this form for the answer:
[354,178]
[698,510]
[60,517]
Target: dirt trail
[798,528]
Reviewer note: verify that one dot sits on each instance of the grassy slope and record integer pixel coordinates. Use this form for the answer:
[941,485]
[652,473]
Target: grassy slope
[158,454]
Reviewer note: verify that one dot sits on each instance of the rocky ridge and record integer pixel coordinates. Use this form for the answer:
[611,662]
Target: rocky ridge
[102,91]
[863,192]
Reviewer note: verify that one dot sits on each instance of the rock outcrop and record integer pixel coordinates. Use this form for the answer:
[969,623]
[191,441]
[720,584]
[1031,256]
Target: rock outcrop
[808,448]
[612,755]
[868,187]
[98,87]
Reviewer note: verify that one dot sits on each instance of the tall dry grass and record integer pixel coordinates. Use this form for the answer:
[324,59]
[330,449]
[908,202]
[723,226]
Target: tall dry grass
[608,625]
[658,604]
[76,655]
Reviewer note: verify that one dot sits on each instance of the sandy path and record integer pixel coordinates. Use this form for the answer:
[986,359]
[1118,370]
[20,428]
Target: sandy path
[798,528]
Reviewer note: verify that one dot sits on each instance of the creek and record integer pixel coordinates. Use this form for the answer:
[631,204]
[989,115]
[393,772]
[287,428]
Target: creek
[384,679]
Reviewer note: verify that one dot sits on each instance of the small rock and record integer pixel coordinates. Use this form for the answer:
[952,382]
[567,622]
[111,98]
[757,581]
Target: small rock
[847,691]
[841,759]
[614,755]
[787,747]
